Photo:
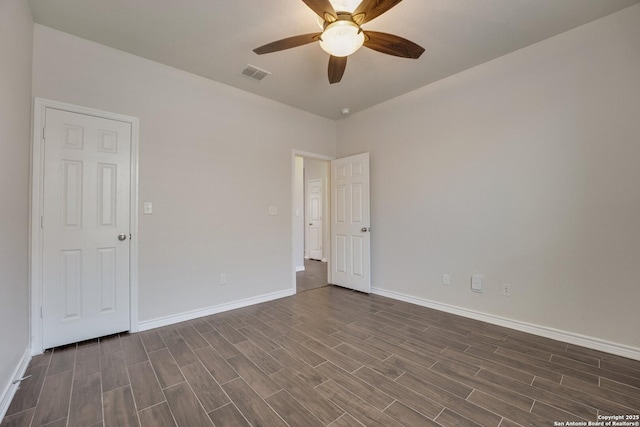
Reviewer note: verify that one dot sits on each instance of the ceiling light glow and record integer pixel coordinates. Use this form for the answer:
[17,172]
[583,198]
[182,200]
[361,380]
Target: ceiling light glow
[341,38]
[345,5]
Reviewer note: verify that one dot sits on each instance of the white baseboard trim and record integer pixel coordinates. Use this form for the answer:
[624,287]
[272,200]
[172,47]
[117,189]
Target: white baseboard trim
[544,331]
[301,268]
[145,325]
[10,389]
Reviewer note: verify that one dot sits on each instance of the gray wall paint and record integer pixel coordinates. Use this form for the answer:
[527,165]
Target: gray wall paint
[212,161]
[16,34]
[525,170]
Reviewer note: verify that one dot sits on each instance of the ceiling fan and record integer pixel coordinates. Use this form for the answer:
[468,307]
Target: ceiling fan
[343,35]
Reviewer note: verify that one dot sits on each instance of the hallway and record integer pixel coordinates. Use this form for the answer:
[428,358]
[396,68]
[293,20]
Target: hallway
[314,275]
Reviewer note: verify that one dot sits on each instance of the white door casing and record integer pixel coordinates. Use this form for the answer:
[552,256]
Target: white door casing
[315,195]
[84,279]
[350,223]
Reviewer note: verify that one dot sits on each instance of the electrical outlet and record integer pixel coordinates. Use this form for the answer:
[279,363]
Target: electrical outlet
[446,280]
[223,278]
[506,290]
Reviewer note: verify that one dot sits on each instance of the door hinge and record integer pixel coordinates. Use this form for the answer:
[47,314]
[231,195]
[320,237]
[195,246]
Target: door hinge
[41,315]
[41,221]
[44,133]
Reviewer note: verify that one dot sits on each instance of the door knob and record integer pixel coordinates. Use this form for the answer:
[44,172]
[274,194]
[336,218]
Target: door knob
[122,236]
[365,229]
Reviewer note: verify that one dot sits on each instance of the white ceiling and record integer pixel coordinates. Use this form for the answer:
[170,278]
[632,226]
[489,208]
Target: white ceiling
[215,38]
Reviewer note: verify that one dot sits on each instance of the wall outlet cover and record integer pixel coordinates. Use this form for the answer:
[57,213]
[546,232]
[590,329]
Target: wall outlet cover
[506,290]
[446,280]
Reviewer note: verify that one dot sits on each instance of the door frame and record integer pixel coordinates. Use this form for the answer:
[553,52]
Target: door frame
[36,208]
[327,197]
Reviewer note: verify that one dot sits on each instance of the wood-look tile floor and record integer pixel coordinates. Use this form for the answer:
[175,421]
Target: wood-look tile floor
[314,275]
[326,357]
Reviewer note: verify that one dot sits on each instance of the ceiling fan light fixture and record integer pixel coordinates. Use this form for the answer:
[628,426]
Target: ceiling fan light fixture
[341,38]
[342,34]
[345,5]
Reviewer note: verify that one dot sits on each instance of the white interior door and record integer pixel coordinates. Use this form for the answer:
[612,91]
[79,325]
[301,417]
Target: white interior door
[350,226]
[85,261]
[314,191]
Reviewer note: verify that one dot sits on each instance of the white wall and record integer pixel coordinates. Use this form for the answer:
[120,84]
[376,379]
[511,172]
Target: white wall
[16,34]
[525,170]
[212,161]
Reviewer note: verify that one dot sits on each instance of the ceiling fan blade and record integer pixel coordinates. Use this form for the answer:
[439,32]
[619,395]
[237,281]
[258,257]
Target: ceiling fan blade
[392,45]
[371,9]
[287,43]
[337,66]
[322,8]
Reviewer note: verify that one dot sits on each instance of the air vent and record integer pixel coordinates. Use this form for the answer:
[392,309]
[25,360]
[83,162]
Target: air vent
[254,73]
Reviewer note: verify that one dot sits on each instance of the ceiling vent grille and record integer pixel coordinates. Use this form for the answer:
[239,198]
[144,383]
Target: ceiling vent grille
[254,73]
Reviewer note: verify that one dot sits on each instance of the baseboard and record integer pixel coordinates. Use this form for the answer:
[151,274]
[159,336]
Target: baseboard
[145,325]
[11,388]
[544,331]
[301,268]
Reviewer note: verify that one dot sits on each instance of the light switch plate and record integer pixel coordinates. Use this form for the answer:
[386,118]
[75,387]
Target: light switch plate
[273,210]
[476,283]
[148,208]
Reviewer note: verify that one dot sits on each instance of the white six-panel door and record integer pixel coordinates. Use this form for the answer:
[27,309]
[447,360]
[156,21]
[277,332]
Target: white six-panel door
[314,190]
[85,258]
[350,226]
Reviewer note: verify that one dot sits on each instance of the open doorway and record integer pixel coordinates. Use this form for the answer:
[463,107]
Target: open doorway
[311,221]
[312,277]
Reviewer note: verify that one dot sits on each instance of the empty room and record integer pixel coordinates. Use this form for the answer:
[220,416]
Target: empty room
[319,213]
